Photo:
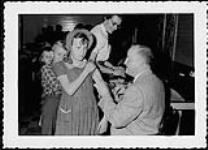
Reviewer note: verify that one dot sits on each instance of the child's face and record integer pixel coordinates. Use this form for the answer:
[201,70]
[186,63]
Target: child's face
[79,49]
[59,54]
[47,57]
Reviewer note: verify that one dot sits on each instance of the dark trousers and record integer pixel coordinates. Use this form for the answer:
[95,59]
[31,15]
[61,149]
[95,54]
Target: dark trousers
[49,113]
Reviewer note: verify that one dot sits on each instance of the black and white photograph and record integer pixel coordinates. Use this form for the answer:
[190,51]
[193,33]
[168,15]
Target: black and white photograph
[105,74]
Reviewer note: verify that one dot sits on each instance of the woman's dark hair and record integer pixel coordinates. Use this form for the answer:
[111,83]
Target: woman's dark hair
[82,36]
[79,26]
[44,49]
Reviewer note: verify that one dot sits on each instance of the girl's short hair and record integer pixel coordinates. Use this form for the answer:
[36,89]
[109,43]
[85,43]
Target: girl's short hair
[82,36]
[45,49]
[58,44]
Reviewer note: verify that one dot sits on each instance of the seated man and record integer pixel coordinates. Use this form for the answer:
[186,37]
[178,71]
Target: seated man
[142,107]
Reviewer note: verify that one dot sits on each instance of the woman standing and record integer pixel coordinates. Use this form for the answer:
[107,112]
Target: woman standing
[78,111]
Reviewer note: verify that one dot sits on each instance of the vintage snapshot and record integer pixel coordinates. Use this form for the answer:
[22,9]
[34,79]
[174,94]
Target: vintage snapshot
[118,74]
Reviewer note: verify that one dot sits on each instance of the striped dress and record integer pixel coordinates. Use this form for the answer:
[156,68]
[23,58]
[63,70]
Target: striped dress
[77,114]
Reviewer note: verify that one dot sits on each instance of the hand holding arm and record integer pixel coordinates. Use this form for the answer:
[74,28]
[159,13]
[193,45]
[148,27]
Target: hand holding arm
[71,87]
[104,68]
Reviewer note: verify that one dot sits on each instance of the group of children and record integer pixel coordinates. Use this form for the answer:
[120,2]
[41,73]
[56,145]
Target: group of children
[51,87]
[69,105]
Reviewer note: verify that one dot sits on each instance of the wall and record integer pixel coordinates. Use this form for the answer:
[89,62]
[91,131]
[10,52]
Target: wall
[184,45]
[32,24]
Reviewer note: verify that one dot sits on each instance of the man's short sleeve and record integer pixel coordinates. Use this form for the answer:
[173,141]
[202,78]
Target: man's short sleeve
[98,39]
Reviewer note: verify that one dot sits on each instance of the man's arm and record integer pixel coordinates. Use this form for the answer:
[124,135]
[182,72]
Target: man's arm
[126,111]
[109,65]
[104,65]
[104,68]
[108,68]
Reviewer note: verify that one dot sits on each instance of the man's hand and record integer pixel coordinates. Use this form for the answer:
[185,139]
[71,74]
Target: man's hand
[118,92]
[103,126]
[119,72]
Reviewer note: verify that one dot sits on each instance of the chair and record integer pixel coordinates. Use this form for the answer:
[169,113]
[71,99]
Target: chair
[171,122]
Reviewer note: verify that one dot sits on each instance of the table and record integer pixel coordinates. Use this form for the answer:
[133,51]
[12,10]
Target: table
[179,104]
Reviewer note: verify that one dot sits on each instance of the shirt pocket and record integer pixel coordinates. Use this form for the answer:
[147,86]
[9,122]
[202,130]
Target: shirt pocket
[65,111]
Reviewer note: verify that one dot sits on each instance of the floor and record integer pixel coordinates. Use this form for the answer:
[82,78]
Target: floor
[29,125]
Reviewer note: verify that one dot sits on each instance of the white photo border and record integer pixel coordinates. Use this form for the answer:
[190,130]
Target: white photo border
[10,101]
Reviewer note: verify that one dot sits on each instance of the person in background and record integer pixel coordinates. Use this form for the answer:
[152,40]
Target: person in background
[83,26]
[51,88]
[102,50]
[78,110]
[58,33]
[79,26]
[141,109]
[59,51]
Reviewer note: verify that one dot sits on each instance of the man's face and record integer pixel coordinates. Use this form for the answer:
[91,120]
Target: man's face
[113,24]
[133,61]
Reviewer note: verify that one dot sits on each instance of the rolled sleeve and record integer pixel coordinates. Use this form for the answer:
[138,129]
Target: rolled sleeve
[99,42]
[126,111]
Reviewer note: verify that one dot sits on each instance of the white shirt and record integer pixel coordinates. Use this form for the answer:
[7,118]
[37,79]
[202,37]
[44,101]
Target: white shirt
[102,48]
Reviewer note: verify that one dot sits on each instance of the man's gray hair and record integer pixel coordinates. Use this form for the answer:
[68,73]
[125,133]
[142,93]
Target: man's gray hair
[144,51]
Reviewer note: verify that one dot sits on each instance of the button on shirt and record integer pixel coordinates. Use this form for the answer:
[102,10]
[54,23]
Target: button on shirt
[102,48]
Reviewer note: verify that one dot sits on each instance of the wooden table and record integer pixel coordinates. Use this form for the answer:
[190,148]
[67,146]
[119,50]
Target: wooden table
[183,105]
[178,103]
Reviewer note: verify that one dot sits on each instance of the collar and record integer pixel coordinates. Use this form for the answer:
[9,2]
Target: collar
[81,65]
[104,30]
[49,65]
[146,69]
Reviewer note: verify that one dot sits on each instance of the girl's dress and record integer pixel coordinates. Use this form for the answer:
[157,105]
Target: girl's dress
[50,100]
[77,114]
